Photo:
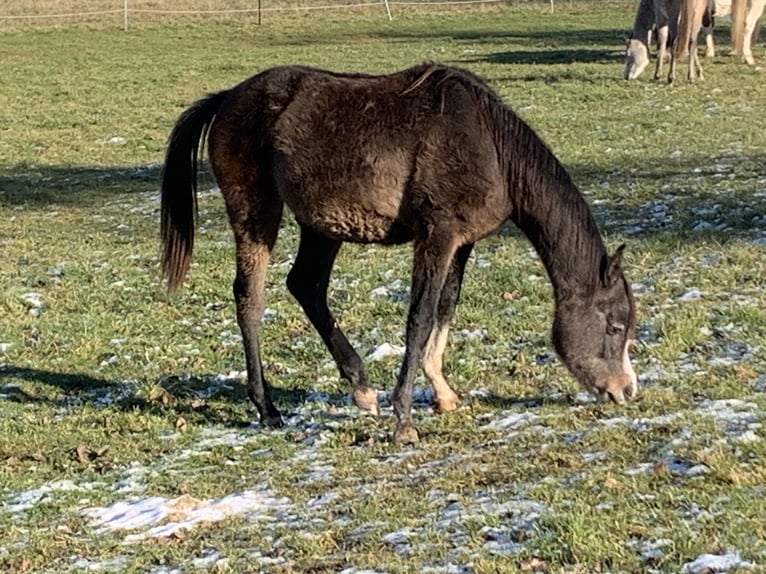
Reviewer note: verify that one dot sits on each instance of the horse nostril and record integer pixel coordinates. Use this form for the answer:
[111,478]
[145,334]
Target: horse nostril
[629,392]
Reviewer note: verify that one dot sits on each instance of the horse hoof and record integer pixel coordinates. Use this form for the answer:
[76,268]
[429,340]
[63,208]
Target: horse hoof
[447,404]
[367,400]
[406,434]
[273,421]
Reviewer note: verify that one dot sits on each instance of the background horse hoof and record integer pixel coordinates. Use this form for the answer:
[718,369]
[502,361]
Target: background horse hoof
[367,400]
[406,434]
[447,404]
[272,421]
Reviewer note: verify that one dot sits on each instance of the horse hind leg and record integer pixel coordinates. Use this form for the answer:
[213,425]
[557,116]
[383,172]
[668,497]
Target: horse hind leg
[445,398]
[308,281]
[255,231]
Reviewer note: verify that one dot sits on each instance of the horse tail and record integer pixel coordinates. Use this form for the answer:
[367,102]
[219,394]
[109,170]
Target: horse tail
[738,11]
[178,209]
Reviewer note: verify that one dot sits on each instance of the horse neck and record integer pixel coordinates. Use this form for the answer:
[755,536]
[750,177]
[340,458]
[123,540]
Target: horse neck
[644,21]
[552,213]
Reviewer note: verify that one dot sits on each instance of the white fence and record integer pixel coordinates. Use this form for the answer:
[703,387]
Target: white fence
[22,13]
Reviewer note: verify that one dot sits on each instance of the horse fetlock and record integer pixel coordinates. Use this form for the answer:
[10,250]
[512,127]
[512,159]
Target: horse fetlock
[405,433]
[366,399]
[446,403]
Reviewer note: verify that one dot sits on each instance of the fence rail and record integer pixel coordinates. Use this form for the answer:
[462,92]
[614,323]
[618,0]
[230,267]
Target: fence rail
[25,12]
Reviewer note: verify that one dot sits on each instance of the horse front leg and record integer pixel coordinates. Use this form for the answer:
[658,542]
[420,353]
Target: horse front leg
[707,31]
[308,281]
[662,40]
[445,398]
[695,67]
[430,268]
[751,22]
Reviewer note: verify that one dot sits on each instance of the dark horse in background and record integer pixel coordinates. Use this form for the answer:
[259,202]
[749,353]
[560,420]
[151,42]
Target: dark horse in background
[429,155]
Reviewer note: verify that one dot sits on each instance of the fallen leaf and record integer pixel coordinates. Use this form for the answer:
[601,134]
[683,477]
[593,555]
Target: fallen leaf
[81,453]
[166,398]
[511,295]
[661,468]
[84,454]
[21,565]
[612,483]
[363,439]
[533,564]
[299,436]
[181,424]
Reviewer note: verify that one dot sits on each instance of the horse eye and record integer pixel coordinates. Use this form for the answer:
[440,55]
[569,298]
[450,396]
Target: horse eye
[614,328]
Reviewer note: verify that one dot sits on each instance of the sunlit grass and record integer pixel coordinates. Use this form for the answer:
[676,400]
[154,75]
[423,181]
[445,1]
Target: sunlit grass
[103,376]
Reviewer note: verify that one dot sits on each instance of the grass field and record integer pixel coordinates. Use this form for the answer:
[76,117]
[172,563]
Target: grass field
[127,443]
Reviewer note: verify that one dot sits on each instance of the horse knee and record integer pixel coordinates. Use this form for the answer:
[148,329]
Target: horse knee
[299,287]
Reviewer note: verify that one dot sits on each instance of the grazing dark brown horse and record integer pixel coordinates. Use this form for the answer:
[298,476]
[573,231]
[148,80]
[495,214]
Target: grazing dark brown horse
[430,155]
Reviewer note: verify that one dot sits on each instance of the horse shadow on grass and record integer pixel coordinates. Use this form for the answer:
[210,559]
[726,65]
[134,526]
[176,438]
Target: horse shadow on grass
[38,186]
[224,407]
[161,398]
[548,56]
[543,38]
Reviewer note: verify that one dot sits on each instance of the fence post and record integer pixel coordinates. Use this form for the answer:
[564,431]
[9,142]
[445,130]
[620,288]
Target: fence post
[125,15]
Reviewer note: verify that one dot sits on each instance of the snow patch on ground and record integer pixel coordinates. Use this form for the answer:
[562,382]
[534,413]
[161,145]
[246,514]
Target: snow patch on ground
[159,517]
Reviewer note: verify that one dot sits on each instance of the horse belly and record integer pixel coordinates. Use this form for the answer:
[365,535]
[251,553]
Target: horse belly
[356,225]
[352,197]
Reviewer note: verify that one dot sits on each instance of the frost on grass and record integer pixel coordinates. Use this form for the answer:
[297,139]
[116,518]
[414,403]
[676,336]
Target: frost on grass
[708,563]
[22,501]
[385,350]
[159,517]
[737,418]
[512,421]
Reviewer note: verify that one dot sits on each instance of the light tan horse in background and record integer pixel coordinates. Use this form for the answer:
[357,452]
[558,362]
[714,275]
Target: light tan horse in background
[685,30]
[651,15]
[655,15]
[744,23]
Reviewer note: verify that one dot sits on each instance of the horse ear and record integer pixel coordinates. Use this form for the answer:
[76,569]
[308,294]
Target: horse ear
[612,268]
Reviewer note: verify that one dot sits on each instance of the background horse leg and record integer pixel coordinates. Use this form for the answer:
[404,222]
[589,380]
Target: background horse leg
[662,42]
[307,281]
[695,67]
[430,266]
[708,23]
[253,251]
[749,34]
[445,398]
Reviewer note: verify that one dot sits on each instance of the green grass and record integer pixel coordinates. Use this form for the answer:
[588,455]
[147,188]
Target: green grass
[124,393]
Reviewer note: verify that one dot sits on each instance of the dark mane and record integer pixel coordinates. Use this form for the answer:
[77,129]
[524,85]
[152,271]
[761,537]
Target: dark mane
[547,205]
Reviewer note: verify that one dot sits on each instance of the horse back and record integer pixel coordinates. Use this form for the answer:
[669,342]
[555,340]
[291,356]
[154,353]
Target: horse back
[370,158]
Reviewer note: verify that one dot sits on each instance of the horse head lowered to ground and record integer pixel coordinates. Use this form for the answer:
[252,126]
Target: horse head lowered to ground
[430,155]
